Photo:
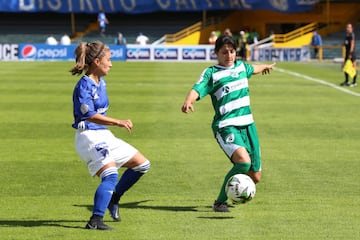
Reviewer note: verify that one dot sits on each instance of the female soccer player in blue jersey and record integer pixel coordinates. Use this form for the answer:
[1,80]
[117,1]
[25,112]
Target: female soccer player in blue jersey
[233,125]
[99,149]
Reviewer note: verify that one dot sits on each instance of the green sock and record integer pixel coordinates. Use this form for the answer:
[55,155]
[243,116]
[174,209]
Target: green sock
[238,168]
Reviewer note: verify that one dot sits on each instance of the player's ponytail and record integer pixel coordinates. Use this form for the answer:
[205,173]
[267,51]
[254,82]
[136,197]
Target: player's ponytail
[85,54]
[80,65]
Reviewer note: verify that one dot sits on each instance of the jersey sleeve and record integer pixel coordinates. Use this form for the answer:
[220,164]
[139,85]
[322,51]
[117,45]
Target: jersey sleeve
[203,85]
[85,101]
[249,70]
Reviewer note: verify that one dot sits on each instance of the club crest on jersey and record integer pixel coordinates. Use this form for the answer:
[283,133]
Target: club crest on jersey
[84,108]
[230,138]
[234,74]
[226,89]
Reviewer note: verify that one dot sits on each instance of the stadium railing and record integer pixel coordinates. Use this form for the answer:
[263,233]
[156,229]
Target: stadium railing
[299,32]
[183,33]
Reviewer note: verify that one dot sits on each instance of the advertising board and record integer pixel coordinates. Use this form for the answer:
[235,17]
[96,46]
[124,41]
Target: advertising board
[9,52]
[133,52]
[45,52]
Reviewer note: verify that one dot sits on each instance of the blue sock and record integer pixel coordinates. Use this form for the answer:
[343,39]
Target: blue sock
[103,194]
[127,180]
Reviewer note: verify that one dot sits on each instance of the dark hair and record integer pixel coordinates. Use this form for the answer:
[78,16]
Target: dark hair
[224,39]
[85,54]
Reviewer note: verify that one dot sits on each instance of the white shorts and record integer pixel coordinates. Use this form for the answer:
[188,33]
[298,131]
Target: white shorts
[100,147]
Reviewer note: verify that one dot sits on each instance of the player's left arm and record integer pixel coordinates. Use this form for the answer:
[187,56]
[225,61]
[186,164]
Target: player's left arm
[105,120]
[263,68]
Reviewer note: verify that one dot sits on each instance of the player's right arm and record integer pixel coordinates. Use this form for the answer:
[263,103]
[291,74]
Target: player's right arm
[198,91]
[190,99]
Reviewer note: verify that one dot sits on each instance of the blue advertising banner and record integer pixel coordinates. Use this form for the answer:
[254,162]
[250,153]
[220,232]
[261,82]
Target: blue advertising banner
[281,54]
[118,52]
[45,52]
[138,53]
[166,53]
[145,6]
[133,52]
[61,53]
[194,53]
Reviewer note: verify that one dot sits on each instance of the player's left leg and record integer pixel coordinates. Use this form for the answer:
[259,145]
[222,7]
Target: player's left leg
[136,166]
[255,154]
[255,176]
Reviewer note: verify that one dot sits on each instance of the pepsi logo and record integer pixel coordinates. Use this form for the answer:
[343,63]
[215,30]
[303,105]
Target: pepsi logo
[28,51]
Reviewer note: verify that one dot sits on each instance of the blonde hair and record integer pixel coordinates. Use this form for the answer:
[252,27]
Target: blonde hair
[85,54]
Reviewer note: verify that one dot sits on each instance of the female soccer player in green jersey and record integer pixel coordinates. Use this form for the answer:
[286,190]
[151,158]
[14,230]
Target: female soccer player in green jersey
[233,124]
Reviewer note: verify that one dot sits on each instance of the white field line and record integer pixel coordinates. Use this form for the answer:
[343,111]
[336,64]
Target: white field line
[343,89]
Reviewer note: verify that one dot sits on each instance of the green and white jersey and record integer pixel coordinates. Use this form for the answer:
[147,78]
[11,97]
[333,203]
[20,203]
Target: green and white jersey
[229,91]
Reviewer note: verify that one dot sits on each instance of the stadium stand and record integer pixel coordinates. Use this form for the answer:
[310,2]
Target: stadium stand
[35,27]
[29,27]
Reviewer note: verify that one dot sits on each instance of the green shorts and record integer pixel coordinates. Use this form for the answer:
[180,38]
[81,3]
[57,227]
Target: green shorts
[232,137]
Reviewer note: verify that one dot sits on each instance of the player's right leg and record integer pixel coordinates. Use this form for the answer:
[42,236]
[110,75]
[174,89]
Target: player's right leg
[93,148]
[241,165]
[232,143]
[109,176]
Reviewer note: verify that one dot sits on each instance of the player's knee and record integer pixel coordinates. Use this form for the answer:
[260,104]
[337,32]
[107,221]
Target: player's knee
[110,175]
[143,168]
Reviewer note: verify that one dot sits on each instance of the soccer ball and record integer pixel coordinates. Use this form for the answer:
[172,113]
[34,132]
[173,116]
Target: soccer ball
[240,188]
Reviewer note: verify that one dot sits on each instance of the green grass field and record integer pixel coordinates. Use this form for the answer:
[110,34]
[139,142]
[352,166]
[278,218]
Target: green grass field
[309,134]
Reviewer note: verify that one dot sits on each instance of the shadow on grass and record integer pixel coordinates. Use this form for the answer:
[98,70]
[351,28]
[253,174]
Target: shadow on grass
[217,217]
[40,223]
[136,205]
[130,205]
